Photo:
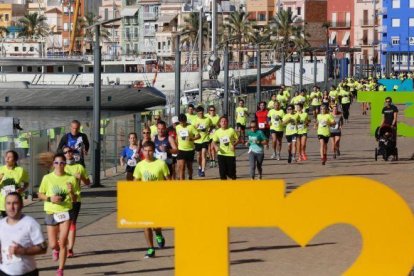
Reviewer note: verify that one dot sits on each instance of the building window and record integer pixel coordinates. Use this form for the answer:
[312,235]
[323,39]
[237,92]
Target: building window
[395,22]
[19,69]
[29,68]
[31,49]
[411,40]
[395,40]
[106,14]
[159,45]
[333,19]
[6,17]
[411,3]
[411,22]
[24,49]
[299,11]
[65,26]
[39,69]
[16,49]
[395,4]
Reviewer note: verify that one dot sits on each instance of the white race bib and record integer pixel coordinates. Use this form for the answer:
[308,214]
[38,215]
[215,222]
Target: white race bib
[162,156]
[323,123]
[61,217]
[262,125]
[9,259]
[241,114]
[224,140]
[301,126]
[292,127]
[276,123]
[132,162]
[201,127]
[8,189]
[183,133]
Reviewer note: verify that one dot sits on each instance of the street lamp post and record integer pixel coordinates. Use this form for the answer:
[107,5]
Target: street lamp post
[226,79]
[258,81]
[200,53]
[177,75]
[300,70]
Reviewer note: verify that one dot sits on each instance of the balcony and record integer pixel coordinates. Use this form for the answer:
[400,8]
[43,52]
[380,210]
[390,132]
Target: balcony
[165,53]
[368,22]
[340,25]
[150,16]
[365,42]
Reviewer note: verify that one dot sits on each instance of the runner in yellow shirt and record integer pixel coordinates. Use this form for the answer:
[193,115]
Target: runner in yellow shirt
[242,115]
[215,121]
[323,124]
[13,178]
[290,121]
[316,101]
[186,135]
[275,117]
[272,101]
[191,115]
[58,191]
[225,140]
[151,169]
[203,124]
[302,133]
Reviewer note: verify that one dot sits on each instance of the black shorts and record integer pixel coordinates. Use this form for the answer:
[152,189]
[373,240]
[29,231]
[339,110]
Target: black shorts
[50,220]
[302,135]
[129,169]
[187,155]
[324,138]
[199,147]
[291,138]
[279,134]
[74,213]
[240,126]
[335,134]
[317,108]
[31,273]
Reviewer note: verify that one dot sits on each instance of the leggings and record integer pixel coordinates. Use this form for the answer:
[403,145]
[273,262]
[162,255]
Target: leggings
[345,110]
[255,159]
[227,167]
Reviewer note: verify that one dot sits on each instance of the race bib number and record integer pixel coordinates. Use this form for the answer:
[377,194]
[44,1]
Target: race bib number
[202,127]
[301,126]
[262,125]
[323,123]
[241,114]
[76,157]
[61,217]
[224,140]
[291,127]
[7,258]
[8,189]
[276,123]
[183,133]
[132,162]
[162,156]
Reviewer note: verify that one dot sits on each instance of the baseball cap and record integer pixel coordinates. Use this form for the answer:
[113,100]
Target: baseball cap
[174,120]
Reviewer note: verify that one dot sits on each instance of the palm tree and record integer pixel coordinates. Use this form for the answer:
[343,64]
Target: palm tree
[240,27]
[84,33]
[3,31]
[190,29]
[34,25]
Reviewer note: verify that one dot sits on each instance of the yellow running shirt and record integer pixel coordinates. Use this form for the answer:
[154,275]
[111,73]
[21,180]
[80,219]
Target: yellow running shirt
[291,123]
[324,122]
[183,135]
[226,138]
[203,126]
[52,185]
[276,119]
[14,177]
[241,115]
[151,170]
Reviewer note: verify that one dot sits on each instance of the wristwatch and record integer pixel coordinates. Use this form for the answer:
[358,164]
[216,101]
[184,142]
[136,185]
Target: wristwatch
[48,199]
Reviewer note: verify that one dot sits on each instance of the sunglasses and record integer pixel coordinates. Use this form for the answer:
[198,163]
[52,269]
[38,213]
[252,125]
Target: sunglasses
[211,110]
[59,163]
[146,132]
[68,151]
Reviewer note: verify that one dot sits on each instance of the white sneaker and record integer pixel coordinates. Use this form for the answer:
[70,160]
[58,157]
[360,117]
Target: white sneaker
[278,156]
[273,156]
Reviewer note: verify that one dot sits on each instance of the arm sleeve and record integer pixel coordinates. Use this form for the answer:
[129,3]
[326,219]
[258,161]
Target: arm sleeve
[123,153]
[43,186]
[165,171]
[137,173]
[85,141]
[36,234]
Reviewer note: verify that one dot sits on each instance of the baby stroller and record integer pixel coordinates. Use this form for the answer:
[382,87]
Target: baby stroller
[387,143]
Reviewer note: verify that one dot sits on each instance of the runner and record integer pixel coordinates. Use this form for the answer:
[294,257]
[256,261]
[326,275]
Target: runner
[151,169]
[165,145]
[336,131]
[57,190]
[345,103]
[130,155]
[79,172]
[12,178]
[276,129]
[215,121]
[203,124]
[302,133]
[146,136]
[186,135]
[191,116]
[325,100]
[283,99]
[290,121]
[261,119]
[77,141]
[256,153]
[153,126]
[225,140]
[241,120]
[271,103]
[323,123]
[21,239]
[316,101]
[333,96]
[173,133]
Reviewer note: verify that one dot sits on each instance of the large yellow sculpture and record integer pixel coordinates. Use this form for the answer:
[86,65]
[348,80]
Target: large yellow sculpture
[209,208]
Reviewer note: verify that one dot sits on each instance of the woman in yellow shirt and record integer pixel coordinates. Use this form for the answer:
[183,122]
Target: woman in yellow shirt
[323,123]
[57,190]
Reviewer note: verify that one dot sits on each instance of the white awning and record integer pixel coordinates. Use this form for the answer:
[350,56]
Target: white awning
[332,38]
[166,18]
[345,38]
[130,11]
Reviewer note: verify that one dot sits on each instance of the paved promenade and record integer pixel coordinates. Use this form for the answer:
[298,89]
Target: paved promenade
[102,249]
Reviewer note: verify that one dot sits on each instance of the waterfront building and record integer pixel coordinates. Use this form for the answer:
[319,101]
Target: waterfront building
[68,9]
[111,48]
[397,45]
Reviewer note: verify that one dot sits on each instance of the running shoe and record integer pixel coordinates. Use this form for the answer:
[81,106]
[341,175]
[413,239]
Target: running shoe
[334,155]
[160,240]
[273,156]
[202,174]
[211,163]
[304,157]
[215,163]
[199,171]
[55,255]
[278,156]
[338,152]
[70,253]
[293,159]
[59,272]
[290,158]
[150,253]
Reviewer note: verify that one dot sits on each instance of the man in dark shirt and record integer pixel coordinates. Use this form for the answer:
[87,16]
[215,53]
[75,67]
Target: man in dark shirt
[77,141]
[390,113]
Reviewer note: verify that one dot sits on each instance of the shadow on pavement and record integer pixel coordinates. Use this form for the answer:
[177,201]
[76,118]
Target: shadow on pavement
[277,247]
